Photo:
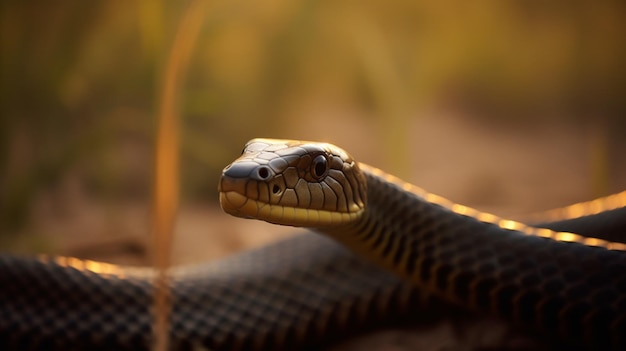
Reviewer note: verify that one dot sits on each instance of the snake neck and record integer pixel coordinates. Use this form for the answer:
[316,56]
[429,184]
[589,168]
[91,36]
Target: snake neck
[395,228]
[526,278]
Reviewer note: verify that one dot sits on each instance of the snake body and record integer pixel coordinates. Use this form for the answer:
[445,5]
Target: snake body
[303,290]
[307,290]
[295,294]
[565,284]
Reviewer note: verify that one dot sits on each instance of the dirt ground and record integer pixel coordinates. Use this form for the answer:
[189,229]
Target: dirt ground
[506,170]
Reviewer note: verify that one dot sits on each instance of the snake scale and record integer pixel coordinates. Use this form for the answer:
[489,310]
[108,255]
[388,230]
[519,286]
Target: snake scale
[307,290]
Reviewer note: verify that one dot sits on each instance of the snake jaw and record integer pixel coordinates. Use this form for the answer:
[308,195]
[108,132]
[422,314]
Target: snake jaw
[293,183]
[238,205]
[231,202]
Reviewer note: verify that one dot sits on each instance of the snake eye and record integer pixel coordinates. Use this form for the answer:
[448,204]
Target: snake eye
[319,166]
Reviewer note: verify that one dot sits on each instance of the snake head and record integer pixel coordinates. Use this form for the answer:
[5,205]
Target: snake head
[293,183]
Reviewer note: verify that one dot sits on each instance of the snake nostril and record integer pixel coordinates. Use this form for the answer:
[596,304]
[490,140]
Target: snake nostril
[263,172]
[275,189]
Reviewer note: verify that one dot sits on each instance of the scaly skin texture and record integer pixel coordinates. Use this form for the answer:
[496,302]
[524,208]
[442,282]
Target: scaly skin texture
[564,284]
[575,291]
[303,291]
[297,294]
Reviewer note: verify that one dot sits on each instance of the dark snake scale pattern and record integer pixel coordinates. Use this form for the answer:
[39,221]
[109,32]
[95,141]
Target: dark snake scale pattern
[307,291]
[284,288]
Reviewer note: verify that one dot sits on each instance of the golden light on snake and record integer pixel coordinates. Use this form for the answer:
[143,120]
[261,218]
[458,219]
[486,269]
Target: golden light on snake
[512,225]
[447,252]
[439,200]
[616,246]
[88,265]
[463,210]
[487,217]
[585,208]
[237,200]
[562,236]
[595,242]
[415,233]
[544,233]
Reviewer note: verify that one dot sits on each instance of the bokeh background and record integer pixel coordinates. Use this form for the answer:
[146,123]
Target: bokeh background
[514,104]
[509,106]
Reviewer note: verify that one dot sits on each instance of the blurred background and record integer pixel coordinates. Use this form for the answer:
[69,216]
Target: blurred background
[511,106]
[508,106]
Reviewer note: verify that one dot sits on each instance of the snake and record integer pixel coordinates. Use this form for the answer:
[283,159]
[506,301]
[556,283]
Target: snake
[566,284]
[309,290]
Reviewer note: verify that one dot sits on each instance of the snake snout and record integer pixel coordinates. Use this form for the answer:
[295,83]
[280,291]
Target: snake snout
[239,187]
[247,169]
[241,169]
[262,173]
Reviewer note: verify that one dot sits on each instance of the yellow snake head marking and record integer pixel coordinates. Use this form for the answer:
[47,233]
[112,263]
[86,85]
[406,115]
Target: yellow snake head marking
[295,183]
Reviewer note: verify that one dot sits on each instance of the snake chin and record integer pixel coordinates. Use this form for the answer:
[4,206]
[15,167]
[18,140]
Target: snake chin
[241,206]
[234,204]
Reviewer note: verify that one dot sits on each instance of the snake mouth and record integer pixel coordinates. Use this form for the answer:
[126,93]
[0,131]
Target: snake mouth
[235,203]
[239,205]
